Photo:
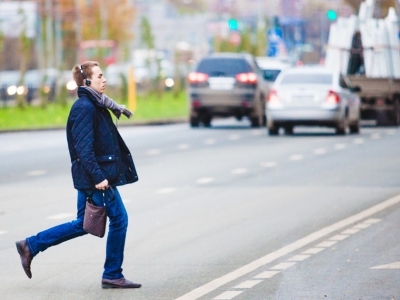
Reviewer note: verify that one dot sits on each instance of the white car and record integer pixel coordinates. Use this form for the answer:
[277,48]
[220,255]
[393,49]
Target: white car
[272,66]
[312,96]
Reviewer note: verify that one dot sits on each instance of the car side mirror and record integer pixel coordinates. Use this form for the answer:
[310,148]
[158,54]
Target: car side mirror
[356,89]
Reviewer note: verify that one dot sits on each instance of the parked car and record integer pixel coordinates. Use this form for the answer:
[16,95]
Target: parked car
[272,66]
[227,84]
[313,96]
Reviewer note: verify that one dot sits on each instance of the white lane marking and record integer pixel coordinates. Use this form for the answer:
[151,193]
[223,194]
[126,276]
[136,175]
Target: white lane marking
[391,132]
[340,146]
[166,190]
[262,261]
[154,152]
[205,180]
[359,141]
[248,284]
[362,226]
[350,231]
[126,201]
[339,237]
[3,232]
[183,146]
[210,141]
[239,171]
[296,157]
[36,173]
[268,164]
[326,244]
[228,295]
[299,257]
[60,216]
[319,151]
[395,265]
[257,132]
[283,266]
[266,274]
[372,221]
[234,137]
[375,136]
[313,251]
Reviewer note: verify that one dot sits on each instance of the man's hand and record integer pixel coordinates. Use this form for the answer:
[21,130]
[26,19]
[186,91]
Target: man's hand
[102,185]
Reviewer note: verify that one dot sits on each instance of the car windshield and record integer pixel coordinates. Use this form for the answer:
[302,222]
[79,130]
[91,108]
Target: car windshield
[270,75]
[307,78]
[223,67]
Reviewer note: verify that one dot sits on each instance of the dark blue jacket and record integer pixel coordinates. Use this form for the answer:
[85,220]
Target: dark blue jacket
[96,148]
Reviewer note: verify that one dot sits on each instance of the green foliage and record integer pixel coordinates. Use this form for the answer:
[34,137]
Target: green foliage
[147,37]
[149,108]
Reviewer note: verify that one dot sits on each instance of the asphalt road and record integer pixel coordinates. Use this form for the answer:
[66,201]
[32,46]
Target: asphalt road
[221,213]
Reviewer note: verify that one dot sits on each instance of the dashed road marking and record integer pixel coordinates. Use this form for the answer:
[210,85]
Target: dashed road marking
[391,132]
[300,243]
[266,274]
[320,151]
[362,226]
[210,142]
[312,251]
[239,171]
[350,231]
[257,132]
[248,284]
[36,173]
[395,265]
[268,164]
[234,137]
[126,201]
[375,136]
[299,257]
[283,266]
[183,146]
[296,157]
[2,232]
[359,141]
[228,295]
[166,190]
[205,180]
[339,237]
[61,216]
[154,152]
[372,221]
[340,146]
[326,244]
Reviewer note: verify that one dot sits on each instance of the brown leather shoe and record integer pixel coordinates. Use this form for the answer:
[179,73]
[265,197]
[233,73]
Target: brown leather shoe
[26,257]
[121,283]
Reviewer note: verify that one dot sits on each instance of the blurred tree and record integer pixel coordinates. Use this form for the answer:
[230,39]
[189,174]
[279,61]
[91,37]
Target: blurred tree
[188,6]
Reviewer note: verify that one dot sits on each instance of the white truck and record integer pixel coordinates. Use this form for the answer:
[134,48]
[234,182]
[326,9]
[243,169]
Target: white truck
[367,50]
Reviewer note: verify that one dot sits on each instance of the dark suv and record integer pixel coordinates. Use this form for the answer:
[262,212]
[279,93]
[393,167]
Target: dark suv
[227,84]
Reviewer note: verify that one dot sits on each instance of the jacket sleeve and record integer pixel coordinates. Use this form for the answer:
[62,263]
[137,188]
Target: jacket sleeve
[83,137]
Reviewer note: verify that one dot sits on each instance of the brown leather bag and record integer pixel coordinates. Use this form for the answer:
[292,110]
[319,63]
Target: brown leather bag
[95,218]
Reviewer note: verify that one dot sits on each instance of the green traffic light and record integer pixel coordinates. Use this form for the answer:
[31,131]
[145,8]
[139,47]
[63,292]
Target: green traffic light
[331,14]
[233,24]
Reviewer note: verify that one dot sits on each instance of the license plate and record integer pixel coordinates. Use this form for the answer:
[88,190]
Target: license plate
[221,83]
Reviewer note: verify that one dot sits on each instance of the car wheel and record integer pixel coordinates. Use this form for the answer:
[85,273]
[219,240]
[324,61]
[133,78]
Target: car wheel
[288,129]
[207,121]
[273,130]
[355,128]
[194,121]
[255,122]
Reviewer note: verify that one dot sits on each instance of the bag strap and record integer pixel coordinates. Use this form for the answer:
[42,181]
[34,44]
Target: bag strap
[89,196]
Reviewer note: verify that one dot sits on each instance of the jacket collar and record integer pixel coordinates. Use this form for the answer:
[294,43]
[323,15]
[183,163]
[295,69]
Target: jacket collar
[82,92]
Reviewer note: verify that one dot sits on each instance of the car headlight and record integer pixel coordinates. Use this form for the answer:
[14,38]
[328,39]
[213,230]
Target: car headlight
[71,85]
[169,82]
[11,90]
[20,90]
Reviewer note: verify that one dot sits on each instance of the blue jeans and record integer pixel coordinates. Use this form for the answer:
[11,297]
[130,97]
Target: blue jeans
[118,224]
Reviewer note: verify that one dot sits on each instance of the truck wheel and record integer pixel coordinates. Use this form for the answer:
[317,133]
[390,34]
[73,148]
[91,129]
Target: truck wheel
[288,129]
[194,121]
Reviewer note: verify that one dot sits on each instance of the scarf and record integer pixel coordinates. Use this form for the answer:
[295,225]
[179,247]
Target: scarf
[106,101]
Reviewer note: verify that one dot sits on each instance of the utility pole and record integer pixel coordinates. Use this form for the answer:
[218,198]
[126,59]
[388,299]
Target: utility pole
[49,34]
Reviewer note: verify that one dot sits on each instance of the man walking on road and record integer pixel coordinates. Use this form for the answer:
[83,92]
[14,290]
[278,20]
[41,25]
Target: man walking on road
[99,159]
